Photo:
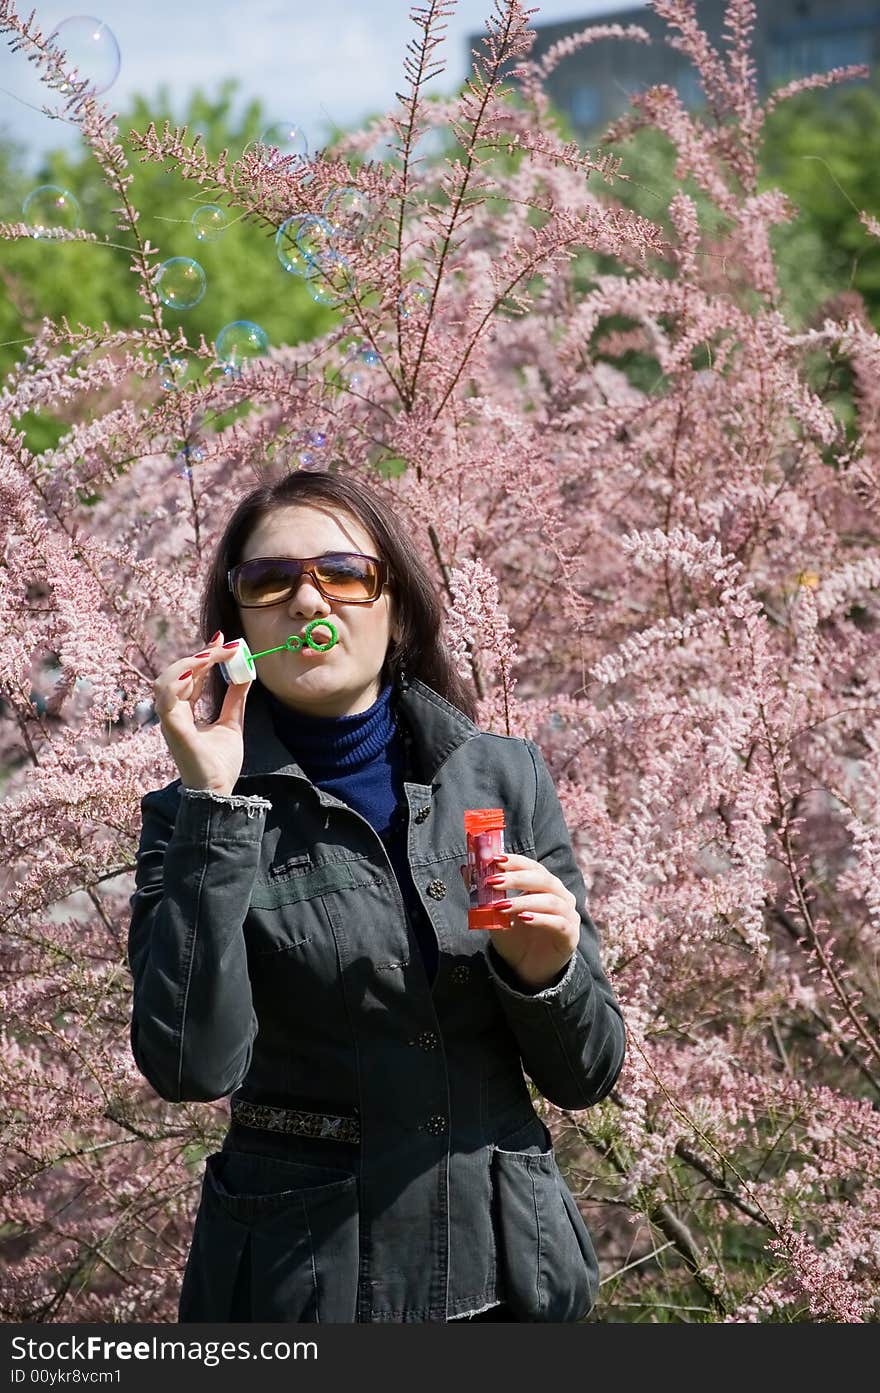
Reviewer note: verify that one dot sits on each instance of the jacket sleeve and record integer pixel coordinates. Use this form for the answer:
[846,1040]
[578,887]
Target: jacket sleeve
[193,1023]
[571,1034]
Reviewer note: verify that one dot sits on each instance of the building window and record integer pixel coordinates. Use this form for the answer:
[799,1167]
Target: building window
[584,106]
[689,88]
[801,55]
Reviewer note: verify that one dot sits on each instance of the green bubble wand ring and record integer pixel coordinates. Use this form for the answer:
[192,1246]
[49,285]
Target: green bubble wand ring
[240,666]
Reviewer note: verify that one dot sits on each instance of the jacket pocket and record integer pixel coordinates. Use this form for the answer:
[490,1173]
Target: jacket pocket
[273,1241]
[295,882]
[546,1256]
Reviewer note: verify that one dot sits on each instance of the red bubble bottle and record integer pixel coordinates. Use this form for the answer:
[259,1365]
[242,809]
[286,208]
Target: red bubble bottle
[485,840]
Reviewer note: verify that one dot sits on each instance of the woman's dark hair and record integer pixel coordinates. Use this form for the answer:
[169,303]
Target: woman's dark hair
[421,651]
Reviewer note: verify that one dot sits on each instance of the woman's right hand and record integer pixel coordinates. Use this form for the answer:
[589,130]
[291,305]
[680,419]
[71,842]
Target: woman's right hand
[208,756]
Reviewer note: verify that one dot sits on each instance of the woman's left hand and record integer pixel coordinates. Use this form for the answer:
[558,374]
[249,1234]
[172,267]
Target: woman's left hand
[536,949]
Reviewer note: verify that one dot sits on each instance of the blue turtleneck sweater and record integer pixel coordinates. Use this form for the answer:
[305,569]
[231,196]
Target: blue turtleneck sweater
[361,759]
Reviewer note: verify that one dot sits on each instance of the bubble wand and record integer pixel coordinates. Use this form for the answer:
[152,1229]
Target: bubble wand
[240,666]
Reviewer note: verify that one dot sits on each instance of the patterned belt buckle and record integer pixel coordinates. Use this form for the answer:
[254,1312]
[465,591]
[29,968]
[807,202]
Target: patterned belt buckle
[295,1122]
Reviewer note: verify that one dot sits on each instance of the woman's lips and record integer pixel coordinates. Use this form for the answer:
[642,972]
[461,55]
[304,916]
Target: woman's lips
[321,636]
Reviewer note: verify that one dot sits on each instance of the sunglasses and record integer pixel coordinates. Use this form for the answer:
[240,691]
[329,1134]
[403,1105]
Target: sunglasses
[346,576]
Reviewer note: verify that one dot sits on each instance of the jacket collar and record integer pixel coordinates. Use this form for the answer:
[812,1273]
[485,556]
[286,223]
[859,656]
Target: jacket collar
[435,727]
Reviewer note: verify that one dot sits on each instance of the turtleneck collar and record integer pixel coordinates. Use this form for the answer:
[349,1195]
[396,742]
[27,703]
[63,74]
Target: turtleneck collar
[324,745]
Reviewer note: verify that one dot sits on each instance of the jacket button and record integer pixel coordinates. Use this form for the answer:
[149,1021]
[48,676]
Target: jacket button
[435,1125]
[422,814]
[436,889]
[460,973]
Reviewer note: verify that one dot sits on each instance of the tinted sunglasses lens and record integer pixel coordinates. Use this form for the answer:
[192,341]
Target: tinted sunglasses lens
[342,577]
[262,582]
[349,577]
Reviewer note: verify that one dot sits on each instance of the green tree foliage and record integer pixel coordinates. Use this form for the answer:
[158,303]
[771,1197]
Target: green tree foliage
[92,283]
[822,150]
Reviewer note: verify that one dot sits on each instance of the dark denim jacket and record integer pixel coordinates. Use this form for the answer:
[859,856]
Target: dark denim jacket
[273,958]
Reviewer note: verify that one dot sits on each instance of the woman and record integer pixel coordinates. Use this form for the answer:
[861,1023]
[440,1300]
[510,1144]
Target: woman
[299,940]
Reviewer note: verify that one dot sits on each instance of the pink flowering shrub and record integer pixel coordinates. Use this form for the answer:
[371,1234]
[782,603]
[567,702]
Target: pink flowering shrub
[673,590]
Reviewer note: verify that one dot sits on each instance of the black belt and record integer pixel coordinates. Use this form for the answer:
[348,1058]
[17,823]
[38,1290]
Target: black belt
[292,1120]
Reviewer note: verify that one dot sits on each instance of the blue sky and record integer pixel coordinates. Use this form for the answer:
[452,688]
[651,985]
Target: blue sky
[341,58]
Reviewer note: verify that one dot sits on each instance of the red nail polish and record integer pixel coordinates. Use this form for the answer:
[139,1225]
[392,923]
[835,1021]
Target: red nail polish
[232,644]
[204,653]
[503,904]
[527,916]
[498,860]
[216,636]
[185,674]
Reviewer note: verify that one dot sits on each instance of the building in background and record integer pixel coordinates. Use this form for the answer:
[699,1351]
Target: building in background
[792,38]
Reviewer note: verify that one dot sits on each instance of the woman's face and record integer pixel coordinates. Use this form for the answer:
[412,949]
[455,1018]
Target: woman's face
[344,680]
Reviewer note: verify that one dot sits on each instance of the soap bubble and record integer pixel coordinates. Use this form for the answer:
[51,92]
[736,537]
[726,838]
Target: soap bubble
[414,297]
[180,283]
[91,48]
[348,211]
[322,292]
[305,247]
[310,441]
[315,239]
[360,355]
[185,458]
[172,371]
[291,255]
[209,222]
[238,342]
[181,463]
[49,208]
[287,138]
[332,282]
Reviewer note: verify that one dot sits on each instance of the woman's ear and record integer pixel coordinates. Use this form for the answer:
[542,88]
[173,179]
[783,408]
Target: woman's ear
[394,628]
